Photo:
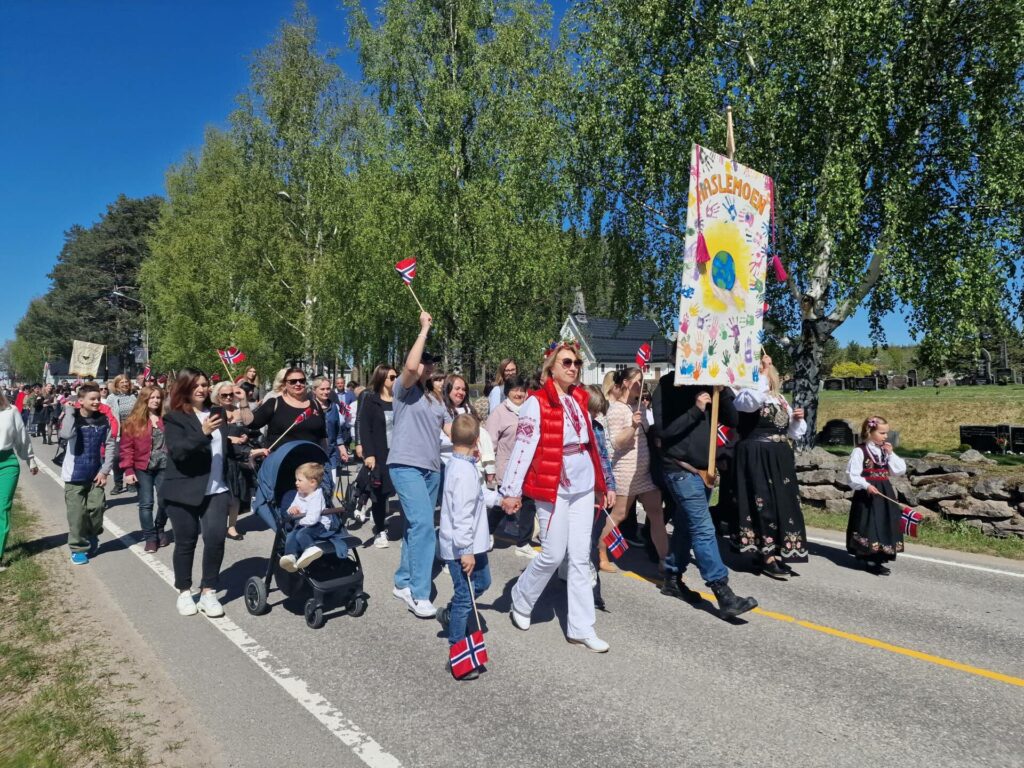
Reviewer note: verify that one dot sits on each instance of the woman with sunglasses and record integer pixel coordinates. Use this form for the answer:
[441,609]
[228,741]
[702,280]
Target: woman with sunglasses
[414,461]
[238,472]
[375,429]
[292,416]
[556,462]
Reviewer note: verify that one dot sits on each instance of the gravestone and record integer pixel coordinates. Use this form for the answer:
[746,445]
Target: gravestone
[866,384]
[984,437]
[834,385]
[1004,376]
[837,432]
[850,383]
[912,377]
[898,381]
[1016,439]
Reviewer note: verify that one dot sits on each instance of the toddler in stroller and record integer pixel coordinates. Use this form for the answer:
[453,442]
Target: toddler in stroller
[335,576]
[313,524]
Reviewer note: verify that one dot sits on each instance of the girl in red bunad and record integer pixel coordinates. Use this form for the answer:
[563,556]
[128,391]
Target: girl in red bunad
[555,462]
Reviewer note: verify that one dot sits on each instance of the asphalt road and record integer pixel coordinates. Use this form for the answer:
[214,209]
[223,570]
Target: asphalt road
[839,668]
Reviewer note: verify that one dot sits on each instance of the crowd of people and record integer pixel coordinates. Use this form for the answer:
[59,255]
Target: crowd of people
[565,465]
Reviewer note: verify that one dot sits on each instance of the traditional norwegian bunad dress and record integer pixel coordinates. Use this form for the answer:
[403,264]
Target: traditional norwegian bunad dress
[768,519]
[873,533]
[555,461]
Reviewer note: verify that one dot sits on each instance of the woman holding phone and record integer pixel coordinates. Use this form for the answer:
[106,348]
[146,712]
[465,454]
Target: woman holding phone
[195,488]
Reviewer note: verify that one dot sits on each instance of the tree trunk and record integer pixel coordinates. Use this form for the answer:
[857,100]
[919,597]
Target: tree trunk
[807,355]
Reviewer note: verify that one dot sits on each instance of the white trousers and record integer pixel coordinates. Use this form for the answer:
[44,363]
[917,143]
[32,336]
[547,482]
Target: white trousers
[566,526]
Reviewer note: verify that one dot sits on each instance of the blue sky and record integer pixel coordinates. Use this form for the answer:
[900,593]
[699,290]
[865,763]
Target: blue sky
[100,97]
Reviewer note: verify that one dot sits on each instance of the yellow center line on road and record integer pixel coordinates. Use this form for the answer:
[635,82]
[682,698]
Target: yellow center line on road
[868,641]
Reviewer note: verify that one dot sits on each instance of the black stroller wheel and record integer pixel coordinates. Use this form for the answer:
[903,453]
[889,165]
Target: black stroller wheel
[314,614]
[255,596]
[357,607]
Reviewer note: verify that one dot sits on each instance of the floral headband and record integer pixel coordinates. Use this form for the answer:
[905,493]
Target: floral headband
[553,345]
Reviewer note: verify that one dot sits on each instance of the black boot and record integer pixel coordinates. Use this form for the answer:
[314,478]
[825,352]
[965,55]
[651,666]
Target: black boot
[673,586]
[729,605]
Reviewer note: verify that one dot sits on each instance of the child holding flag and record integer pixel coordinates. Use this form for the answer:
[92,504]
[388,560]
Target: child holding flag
[874,533]
[464,541]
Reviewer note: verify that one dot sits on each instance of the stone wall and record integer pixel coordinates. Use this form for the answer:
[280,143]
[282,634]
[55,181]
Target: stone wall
[936,486]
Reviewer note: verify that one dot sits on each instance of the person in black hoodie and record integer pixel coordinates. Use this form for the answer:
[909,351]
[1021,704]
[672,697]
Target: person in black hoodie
[683,428]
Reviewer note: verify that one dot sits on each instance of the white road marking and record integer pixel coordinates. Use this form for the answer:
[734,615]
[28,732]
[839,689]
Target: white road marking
[954,563]
[364,747]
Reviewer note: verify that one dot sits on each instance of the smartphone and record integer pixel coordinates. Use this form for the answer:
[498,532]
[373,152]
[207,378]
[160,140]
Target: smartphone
[217,412]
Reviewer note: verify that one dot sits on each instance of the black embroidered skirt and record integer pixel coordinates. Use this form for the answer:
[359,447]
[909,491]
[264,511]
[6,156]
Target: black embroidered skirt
[874,532]
[768,518]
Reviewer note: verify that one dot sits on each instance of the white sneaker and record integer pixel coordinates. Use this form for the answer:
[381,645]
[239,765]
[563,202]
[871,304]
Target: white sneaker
[287,563]
[424,609]
[520,620]
[490,543]
[307,557]
[405,595]
[526,551]
[381,541]
[210,605]
[595,643]
[186,605]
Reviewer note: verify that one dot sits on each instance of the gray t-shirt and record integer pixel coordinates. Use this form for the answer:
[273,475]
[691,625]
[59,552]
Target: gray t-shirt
[418,421]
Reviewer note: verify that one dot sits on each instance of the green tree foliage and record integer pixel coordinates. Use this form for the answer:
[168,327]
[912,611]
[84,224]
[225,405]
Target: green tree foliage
[894,131]
[470,177]
[81,303]
[251,248]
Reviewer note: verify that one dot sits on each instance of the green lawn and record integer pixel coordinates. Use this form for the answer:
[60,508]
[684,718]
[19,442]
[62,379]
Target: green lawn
[928,419]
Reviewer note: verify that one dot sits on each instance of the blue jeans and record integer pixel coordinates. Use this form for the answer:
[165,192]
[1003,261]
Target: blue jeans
[149,488]
[461,605]
[417,491]
[693,528]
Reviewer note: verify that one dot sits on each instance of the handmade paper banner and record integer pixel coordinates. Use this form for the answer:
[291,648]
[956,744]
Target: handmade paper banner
[721,308]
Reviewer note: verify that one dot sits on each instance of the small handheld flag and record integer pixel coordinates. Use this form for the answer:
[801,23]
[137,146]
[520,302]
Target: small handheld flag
[231,355]
[724,436]
[615,542]
[643,356]
[145,372]
[909,520]
[468,654]
[309,412]
[407,269]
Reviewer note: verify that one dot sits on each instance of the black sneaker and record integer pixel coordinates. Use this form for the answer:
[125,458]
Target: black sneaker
[878,569]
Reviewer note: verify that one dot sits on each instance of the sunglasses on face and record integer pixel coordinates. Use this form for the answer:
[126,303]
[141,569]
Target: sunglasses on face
[570,362]
[226,396]
[296,381]
[392,376]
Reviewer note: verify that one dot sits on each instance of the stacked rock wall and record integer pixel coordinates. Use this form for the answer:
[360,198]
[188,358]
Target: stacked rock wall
[936,486]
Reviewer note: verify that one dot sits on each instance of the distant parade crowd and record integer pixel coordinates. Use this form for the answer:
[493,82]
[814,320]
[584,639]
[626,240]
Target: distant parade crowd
[563,464]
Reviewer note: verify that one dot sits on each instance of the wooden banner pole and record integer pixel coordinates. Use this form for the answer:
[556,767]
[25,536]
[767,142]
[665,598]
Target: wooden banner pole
[709,475]
[409,286]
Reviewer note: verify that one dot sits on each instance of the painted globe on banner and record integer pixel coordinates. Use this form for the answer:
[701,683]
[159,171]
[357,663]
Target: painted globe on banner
[723,270]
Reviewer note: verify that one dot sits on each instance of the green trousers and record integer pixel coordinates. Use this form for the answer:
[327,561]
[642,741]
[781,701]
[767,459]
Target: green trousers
[85,503]
[9,471]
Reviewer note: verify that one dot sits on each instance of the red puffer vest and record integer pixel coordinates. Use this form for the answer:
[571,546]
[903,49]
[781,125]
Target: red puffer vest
[542,478]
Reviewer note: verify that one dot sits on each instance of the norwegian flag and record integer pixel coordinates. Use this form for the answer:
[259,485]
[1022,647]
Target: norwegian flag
[643,356]
[724,436]
[145,372]
[468,654]
[304,415]
[407,269]
[231,355]
[909,520]
[615,542]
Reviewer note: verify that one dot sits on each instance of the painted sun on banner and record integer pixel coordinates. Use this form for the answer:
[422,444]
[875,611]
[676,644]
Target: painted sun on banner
[722,304]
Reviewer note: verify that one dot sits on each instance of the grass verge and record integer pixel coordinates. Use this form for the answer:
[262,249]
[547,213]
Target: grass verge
[943,534]
[55,694]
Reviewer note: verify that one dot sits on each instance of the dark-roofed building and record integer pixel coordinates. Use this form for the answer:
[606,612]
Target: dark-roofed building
[608,345]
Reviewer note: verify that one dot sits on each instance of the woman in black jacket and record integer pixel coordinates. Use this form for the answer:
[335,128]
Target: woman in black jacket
[194,489]
[375,421]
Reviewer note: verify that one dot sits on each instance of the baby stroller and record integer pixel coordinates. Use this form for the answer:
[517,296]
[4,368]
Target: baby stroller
[333,582]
